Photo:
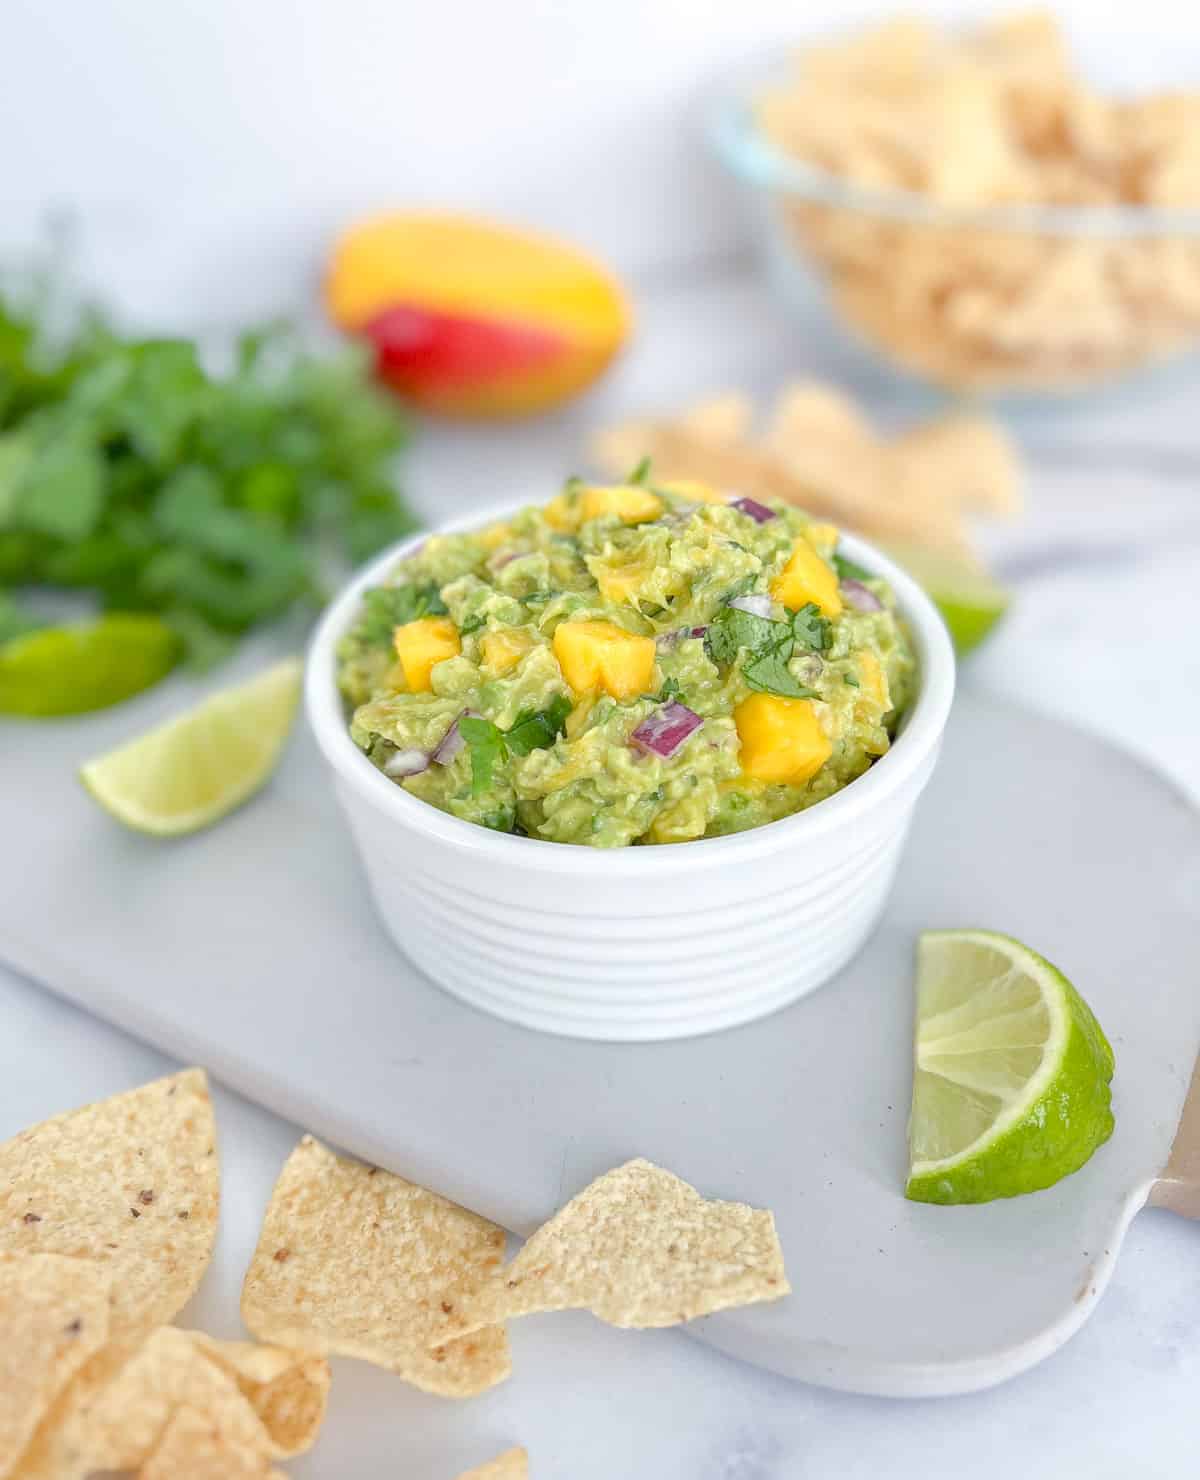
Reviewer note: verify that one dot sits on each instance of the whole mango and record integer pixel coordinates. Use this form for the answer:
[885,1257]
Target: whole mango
[470,318]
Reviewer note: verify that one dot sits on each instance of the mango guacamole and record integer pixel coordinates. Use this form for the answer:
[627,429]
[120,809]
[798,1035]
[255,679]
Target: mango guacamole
[642,663]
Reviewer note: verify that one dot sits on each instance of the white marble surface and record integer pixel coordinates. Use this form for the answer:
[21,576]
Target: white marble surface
[1107,570]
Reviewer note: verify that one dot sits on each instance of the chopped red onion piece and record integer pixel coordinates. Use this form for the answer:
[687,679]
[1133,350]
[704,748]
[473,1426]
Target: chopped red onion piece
[406,763]
[696,631]
[758,512]
[450,743]
[664,731]
[861,597]
[757,606]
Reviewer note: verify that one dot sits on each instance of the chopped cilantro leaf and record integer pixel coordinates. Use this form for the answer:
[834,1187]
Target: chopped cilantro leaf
[387,607]
[472,624]
[537,598]
[733,629]
[486,743]
[533,729]
[809,627]
[640,474]
[848,571]
[669,692]
[740,587]
[538,729]
[768,672]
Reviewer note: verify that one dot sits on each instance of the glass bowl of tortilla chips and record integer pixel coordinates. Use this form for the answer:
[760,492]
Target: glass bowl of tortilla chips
[969,209]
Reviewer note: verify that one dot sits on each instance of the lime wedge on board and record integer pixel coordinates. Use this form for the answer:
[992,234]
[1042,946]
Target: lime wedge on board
[202,764]
[1011,1073]
[71,670]
[970,601]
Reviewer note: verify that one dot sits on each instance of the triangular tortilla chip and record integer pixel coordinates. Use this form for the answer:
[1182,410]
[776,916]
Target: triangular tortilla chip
[53,1316]
[356,1261]
[287,1389]
[639,1247]
[194,1448]
[133,1183]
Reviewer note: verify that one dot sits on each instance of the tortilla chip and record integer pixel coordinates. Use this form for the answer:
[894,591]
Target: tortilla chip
[818,453]
[639,1247]
[513,1464]
[131,1182]
[115,1416]
[194,1448]
[287,1389]
[965,461]
[53,1316]
[356,1261]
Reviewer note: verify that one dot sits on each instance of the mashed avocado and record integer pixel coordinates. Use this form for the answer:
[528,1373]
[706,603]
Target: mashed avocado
[634,664]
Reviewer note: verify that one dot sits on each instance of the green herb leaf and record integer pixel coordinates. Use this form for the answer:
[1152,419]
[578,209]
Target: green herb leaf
[851,680]
[486,743]
[848,571]
[669,692]
[472,624]
[387,607]
[768,672]
[538,729]
[732,629]
[809,627]
[640,474]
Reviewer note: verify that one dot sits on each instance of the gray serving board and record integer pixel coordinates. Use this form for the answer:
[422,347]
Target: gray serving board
[252,949]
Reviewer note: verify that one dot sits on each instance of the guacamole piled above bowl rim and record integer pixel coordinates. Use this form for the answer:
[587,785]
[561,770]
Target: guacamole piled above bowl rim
[640,663]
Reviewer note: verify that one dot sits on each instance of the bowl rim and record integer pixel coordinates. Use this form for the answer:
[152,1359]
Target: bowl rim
[913,747]
[747,153]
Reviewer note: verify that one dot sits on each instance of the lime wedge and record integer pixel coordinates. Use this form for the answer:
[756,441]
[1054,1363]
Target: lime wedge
[70,670]
[970,601]
[1011,1074]
[203,764]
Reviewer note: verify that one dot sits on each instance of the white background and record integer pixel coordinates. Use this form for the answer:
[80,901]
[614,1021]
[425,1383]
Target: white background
[227,139]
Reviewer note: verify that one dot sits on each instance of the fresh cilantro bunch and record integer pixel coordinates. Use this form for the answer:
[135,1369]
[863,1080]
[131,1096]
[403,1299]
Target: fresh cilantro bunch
[768,646]
[131,472]
[490,746]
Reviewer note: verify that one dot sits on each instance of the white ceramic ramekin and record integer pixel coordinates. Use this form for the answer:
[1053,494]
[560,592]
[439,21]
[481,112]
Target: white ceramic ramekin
[634,943]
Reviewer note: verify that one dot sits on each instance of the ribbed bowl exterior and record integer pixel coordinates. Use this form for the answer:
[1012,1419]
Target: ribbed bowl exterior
[635,943]
[626,959]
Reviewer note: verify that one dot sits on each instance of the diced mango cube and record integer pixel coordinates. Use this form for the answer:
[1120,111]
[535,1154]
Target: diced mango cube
[504,648]
[699,493]
[422,644]
[631,504]
[873,680]
[562,514]
[782,739]
[807,578]
[601,655]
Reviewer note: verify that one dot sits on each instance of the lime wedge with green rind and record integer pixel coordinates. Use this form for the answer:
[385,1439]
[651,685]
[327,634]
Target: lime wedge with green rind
[970,601]
[201,765]
[72,670]
[1011,1073]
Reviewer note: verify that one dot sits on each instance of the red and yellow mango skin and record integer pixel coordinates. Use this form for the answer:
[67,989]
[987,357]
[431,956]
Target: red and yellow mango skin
[473,319]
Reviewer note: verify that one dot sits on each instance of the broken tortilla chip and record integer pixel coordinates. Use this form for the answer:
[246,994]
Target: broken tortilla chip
[194,1448]
[513,1464]
[639,1247]
[357,1261]
[53,1315]
[132,1183]
[115,1415]
[288,1390]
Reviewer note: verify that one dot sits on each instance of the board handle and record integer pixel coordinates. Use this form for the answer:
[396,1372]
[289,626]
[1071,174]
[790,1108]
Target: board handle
[1178,1188]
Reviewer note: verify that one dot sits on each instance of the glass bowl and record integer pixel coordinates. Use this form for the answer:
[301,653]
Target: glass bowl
[1015,302]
